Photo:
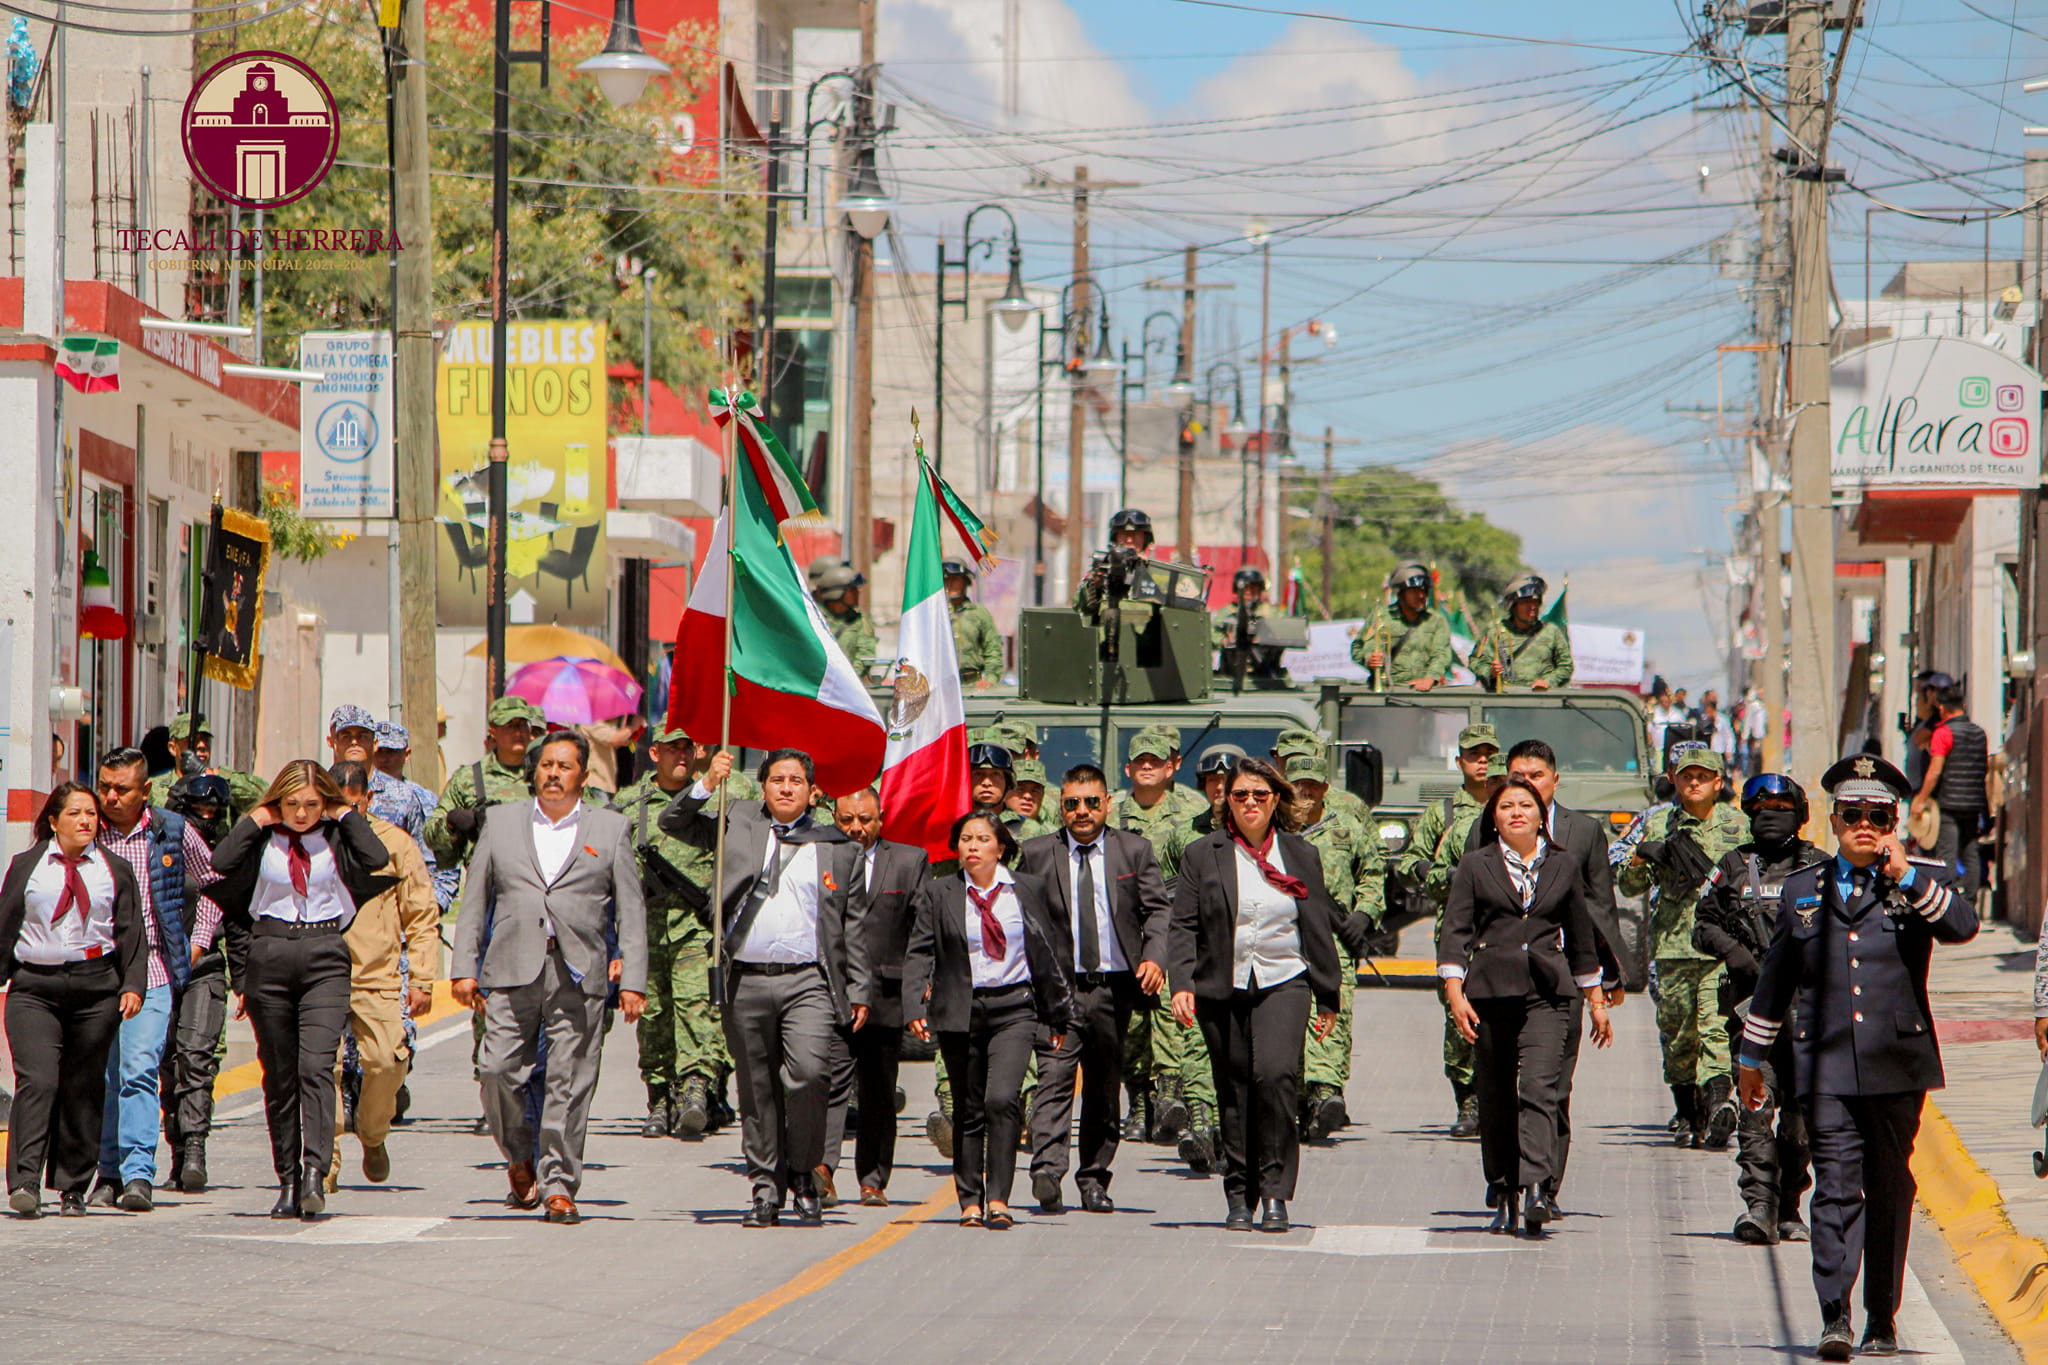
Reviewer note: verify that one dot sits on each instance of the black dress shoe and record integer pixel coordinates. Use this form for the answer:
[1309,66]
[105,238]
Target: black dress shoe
[104,1195]
[137,1197]
[1094,1200]
[1239,1219]
[762,1215]
[1274,1218]
[1879,1339]
[73,1205]
[1046,1190]
[1496,1194]
[810,1210]
[1837,1341]
[28,1203]
[1535,1213]
[312,1199]
[287,1205]
[1793,1230]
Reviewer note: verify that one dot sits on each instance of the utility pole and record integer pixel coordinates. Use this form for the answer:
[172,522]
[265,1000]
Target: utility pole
[861,476]
[1329,511]
[1077,411]
[1184,372]
[1284,441]
[1769,300]
[1245,535]
[417,449]
[1813,528]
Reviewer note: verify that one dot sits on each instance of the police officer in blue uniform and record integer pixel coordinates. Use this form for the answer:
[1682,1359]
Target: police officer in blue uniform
[1850,951]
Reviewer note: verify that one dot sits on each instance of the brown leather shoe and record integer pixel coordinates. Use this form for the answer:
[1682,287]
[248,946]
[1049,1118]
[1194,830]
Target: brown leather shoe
[525,1189]
[871,1197]
[561,1209]
[828,1193]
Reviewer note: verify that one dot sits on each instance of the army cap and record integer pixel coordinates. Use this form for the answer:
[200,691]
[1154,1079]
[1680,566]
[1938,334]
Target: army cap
[1307,768]
[1693,754]
[1013,735]
[181,726]
[671,734]
[1497,766]
[1477,736]
[350,718]
[1159,741]
[393,736]
[1295,737]
[505,710]
[1027,770]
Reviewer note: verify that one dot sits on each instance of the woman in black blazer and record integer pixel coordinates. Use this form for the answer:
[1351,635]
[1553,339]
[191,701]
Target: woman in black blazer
[1516,946]
[74,953]
[1249,978]
[980,971]
[292,872]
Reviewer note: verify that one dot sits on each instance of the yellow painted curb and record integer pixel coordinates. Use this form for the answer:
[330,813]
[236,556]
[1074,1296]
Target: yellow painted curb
[2009,1270]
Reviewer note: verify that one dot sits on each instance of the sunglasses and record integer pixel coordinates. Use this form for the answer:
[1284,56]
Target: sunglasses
[1877,817]
[1076,802]
[1248,794]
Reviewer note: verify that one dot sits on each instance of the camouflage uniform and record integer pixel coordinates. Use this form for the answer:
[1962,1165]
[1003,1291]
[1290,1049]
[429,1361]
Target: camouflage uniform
[1415,650]
[501,786]
[1543,653]
[855,636]
[1294,742]
[1030,827]
[1262,661]
[1354,869]
[1689,1022]
[1463,814]
[976,641]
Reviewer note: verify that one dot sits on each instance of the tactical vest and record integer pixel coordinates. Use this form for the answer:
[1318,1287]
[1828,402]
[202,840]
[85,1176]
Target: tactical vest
[1961,784]
[167,893]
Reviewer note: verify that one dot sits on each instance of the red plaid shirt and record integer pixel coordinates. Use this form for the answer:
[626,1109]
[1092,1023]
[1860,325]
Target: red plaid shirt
[134,846]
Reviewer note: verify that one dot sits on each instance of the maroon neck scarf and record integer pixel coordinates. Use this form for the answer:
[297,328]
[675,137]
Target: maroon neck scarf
[74,893]
[297,861]
[1275,878]
[994,942]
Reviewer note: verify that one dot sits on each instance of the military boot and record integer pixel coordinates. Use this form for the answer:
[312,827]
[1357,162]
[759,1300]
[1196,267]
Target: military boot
[1322,1112]
[1467,1123]
[660,1113]
[1721,1114]
[1198,1140]
[1681,1110]
[1756,1227]
[1138,1121]
[690,1116]
[1694,1130]
[1169,1109]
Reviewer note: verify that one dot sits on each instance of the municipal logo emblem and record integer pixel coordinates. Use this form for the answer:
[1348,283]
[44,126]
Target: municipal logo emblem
[260,129]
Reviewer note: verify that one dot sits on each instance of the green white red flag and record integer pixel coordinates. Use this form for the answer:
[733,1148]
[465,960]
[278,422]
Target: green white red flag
[975,536]
[782,484]
[924,774]
[90,364]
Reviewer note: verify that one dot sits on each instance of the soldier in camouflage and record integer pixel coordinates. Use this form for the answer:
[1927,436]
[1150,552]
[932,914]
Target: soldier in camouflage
[1433,855]
[1248,604]
[1407,640]
[1178,1051]
[1295,741]
[683,1060]
[499,777]
[244,789]
[1024,809]
[977,644]
[1354,869]
[1676,855]
[1129,528]
[836,586]
[1523,650]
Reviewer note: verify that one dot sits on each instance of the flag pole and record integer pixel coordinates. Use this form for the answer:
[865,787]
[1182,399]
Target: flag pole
[724,696]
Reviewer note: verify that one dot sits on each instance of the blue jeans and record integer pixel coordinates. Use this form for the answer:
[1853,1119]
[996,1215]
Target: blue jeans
[134,1110]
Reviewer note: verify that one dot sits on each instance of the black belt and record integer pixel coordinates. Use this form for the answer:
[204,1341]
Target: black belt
[771,968]
[266,927]
[1092,979]
[95,958]
[983,992]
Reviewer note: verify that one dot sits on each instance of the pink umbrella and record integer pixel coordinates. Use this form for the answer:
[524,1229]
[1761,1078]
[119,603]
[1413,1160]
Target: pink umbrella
[576,691]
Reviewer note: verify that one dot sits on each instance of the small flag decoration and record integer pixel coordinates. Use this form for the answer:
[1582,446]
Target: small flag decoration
[90,364]
[973,532]
[782,484]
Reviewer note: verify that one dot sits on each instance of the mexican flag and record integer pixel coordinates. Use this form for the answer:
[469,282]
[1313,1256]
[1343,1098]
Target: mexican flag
[90,364]
[791,685]
[924,777]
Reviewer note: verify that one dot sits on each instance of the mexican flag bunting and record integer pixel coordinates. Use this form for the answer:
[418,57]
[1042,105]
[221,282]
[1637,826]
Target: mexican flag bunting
[924,777]
[1556,612]
[90,364]
[1291,598]
[976,536]
[791,685]
[781,482]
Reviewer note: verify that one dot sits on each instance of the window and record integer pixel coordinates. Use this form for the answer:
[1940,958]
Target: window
[1588,738]
[1415,741]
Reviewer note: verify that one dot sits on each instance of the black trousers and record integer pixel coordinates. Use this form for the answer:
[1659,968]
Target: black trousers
[864,1068]
[297,996]
[779,1029]
[1255,1039]
[61,1023]
[1770,1153]
[192,1056]
[1519,1067]
[986,1065]
[1863,1191]
[1094,1046]
[1561,1154]
[1957,845]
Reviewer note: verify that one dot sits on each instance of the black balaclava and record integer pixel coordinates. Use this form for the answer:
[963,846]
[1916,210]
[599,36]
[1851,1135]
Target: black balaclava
[1774,829]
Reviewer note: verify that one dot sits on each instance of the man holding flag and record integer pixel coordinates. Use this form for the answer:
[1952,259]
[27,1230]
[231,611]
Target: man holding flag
[1406,638]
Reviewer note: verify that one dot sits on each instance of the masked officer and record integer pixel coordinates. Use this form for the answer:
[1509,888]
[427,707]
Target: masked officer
[1129,529]
[1235,627]
[977,644]
[1680,846]
[1405,639]
[836,586]
[1733,922]
[1354,870]
[1523,650]
[1850,954]
[1428,862]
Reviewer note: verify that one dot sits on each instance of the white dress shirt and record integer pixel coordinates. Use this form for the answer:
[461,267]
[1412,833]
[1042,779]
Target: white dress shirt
[75,939]
[1112,952]
[1267,945]
[325,899]
[1013,967]
[554,844]
[1524,874]
[785,928]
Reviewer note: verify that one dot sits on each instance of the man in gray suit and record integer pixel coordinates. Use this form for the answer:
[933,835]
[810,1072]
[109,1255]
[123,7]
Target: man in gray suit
[552,884]
[794,965]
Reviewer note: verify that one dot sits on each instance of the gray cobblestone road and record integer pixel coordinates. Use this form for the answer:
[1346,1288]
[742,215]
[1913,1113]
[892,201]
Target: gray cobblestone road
[1389,1265]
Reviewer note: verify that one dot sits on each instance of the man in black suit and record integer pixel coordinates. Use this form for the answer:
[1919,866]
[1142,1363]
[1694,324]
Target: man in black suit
[864,1063]
[794,964]
[1111,901]
[1583,840]
[1850,951]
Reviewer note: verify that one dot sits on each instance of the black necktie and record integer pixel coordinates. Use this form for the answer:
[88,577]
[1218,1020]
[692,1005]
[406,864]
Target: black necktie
[772,878]
[1091,939]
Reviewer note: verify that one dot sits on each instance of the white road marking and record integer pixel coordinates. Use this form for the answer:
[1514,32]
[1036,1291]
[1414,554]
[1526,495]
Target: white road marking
[1365,1239]
[341,1231]
[1921,1330]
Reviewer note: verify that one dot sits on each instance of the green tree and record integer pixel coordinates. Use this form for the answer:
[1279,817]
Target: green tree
[596,193]
[1385,516]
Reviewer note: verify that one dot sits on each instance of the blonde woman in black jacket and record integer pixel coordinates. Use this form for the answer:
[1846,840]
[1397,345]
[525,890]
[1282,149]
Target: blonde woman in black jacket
[76,964]
[1516,946]
[982,973]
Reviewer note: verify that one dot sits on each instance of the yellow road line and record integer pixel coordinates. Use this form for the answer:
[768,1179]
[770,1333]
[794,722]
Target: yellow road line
[2010,1270]
[808,1281]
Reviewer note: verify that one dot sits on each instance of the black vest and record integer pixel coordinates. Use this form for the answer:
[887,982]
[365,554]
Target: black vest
[1961,784]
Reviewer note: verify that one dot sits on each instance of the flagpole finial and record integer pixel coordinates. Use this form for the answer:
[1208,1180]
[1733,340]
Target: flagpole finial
[916,434]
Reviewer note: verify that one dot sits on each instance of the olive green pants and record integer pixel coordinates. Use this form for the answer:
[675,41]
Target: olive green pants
[680,1032]
[1689,1021]
[1327,1060]
[1179,1053]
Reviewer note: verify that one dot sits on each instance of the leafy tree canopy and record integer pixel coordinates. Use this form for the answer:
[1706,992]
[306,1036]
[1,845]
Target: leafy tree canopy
[1386,516]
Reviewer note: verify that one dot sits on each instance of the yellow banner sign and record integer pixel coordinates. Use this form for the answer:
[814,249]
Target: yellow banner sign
[557,472]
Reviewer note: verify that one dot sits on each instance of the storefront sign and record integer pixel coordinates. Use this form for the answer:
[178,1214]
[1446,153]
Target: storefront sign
[1934,412]
[345,427]
[557,472]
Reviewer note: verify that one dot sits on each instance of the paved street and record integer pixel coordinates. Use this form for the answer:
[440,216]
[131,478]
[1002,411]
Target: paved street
[1390,1264]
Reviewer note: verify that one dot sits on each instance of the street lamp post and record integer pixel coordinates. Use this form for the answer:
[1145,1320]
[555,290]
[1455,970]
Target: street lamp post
[1143,355]
[1074,360]
[1236,428]
[1013,307]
